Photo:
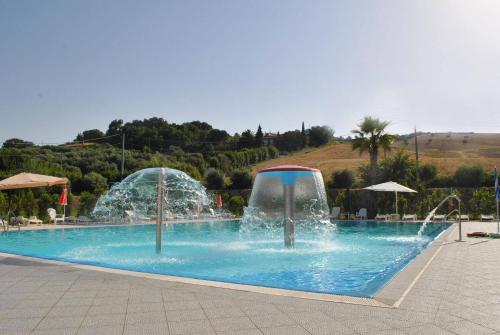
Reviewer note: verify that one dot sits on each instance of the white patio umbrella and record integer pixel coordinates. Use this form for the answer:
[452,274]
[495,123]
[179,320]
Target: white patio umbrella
[391,186]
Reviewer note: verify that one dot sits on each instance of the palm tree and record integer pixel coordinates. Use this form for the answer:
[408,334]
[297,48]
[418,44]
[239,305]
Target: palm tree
[371,137]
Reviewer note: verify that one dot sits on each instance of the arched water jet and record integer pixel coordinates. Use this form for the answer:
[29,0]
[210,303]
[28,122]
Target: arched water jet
[135,198]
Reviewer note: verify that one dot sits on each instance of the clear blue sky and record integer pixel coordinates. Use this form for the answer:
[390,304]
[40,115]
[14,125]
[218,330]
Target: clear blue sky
[69,65]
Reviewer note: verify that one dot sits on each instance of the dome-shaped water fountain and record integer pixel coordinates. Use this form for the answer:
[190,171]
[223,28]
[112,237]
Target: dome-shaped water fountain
[287,194]
[137,195]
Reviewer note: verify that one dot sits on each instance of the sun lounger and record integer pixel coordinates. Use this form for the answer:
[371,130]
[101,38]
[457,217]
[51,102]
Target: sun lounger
[335,213]
[34,220]
[439,217]
[381,217]
[487,217]
[410,217]
[362,214]
[19,221]
[463,217]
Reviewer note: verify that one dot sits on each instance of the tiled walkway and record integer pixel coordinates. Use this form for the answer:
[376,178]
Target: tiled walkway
[459,293]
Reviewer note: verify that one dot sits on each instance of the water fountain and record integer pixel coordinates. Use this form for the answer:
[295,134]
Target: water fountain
[285,195]
[136,197]
[431,214]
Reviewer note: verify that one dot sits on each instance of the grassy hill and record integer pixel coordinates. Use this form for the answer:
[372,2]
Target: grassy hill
[445,150]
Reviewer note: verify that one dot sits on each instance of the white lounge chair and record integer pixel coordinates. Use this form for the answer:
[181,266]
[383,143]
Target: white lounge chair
[410,217]
[487,217]
[34,220]
[439,217]
[381,217]
[362,214]
[54,217]
[20,221]
[335,213]
[463,217]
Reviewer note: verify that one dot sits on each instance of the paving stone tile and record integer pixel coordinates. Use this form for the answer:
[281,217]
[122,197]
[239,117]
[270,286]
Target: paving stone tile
[216,313]
[186,315]
[190,327]
[145,307]
[241,332]
[149,329]
[60,322]
[230,324]
[145,318]
[181,305]
[103,320]
[272,320]
[60,331]
[68,311]
[285,330]
[27,312]
[21,324]
[107,309]
[101,330]
[466,327]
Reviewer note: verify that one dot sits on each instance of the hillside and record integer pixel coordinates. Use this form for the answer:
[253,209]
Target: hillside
[445,150]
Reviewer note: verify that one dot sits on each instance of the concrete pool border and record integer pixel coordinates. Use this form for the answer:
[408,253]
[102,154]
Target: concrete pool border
[389,296]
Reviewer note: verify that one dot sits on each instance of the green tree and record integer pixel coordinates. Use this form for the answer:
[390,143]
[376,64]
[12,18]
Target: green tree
[320,135]
[94,183]
[89,135]
[342,179]
[241,179]
[17,143]
[236,204]
[259,137]
[470,176]
[370,137]
[428,173]
[400,168]
[304,135]
[214,180]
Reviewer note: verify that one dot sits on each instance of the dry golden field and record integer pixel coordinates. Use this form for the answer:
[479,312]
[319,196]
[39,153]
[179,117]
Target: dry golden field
[445,150]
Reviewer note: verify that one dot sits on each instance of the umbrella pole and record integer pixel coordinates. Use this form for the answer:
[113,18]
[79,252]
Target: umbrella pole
[396,202]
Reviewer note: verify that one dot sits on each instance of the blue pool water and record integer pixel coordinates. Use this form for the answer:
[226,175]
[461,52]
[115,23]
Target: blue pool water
[354,258]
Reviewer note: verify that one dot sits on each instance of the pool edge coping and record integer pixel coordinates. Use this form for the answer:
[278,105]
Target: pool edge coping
[390,295]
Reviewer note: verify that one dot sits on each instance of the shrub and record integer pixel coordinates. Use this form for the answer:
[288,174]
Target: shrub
[93,182]
[214,180]
[236,204]
[428,172]
[86,203]
[470,176]
[320,135]
[342,179]
[241,179]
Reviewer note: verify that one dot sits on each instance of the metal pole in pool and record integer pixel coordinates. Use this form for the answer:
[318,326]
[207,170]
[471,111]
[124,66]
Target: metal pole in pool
[459,221]
[159,210]
[288,223]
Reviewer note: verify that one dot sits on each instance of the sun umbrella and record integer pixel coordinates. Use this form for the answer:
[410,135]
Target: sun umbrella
[219,201]
[63,199]
[29,180]
[391,186]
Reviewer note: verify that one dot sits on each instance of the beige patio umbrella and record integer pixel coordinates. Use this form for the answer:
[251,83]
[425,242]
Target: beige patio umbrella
[391,186]
[30,180]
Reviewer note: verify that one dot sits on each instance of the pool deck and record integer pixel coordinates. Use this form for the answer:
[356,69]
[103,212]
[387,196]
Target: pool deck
[455,290]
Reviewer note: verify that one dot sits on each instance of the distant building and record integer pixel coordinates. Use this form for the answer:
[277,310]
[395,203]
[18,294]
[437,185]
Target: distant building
[268,138]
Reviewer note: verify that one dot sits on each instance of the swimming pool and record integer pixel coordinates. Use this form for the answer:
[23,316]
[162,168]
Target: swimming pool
[354,258]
